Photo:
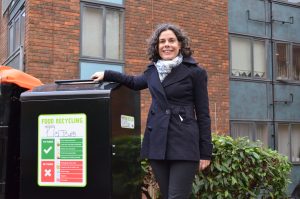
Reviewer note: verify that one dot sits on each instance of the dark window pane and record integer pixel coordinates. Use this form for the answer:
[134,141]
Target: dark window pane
[296,63]
[282,60]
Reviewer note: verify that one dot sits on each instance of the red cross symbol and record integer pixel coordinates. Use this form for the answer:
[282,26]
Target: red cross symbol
[47,171]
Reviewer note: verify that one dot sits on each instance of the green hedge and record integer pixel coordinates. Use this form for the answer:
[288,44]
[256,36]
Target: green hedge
[240,169]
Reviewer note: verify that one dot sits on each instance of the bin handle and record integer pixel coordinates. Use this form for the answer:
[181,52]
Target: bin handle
[77,81]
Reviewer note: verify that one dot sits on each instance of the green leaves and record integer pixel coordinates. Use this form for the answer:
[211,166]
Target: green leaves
[243,169]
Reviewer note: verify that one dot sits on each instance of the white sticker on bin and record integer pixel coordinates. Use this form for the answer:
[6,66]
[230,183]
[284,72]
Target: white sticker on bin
[127,122]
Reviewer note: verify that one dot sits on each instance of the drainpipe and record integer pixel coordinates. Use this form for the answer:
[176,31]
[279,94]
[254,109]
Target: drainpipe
[272,74]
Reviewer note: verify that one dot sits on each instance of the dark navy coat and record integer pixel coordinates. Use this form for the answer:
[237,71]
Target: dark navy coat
[178,123]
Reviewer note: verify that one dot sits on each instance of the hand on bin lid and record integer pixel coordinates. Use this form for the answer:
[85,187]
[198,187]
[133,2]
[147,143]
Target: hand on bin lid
[98,76]
[14,76]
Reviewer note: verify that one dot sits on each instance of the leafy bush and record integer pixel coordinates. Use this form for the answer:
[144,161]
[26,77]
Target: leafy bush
[243,169]
[239,169]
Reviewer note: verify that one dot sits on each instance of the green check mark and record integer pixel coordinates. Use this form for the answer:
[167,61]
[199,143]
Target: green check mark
[48,150]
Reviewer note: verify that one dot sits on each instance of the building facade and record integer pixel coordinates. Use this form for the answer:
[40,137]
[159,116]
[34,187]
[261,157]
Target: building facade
[71,39]
[250,48]
[264,49]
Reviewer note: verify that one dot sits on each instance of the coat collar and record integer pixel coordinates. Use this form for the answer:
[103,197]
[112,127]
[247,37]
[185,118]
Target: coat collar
[187,60]
[180,72]
[177,74]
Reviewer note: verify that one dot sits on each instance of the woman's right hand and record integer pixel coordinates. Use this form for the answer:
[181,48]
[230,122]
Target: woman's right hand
[98,76]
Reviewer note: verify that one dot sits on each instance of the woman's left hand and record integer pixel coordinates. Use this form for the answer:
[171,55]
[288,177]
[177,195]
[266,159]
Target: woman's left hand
[203,164]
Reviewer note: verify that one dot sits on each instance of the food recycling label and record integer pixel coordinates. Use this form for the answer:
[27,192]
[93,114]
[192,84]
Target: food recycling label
[62,150]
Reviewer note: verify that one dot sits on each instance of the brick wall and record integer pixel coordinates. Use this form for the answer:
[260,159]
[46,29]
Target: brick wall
[3,35]
[205,23]
[52,39]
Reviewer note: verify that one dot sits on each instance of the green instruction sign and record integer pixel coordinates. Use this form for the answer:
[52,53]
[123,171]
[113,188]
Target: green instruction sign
[47,149]
[71,148]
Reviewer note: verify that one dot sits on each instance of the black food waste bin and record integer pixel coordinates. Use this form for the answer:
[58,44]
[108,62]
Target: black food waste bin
[80,140]
[12,83]
[9,140]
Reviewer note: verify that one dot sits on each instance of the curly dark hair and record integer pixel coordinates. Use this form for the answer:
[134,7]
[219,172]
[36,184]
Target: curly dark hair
[152,51]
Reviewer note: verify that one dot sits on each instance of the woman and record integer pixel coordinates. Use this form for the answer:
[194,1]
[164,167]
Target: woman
[177,139]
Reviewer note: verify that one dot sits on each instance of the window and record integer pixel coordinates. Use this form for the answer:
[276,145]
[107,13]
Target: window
[241,57]
[296,63]
[294,1]
[5,5]
[288,141]
[87,69]
[112,1]
[11,40]
[297,2]
[259,59]
[254,131]
[113,35]
[248,57]
[92,32]
[101,38]
[288,61]
[282,61]
[295,137]
[283,139]
[262,133]
[16,33]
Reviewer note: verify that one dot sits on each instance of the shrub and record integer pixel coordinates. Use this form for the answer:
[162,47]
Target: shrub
[239,169]
[243,169]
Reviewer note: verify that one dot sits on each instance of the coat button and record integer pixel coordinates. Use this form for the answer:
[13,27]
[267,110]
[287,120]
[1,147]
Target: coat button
[152,112]
[168,111]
